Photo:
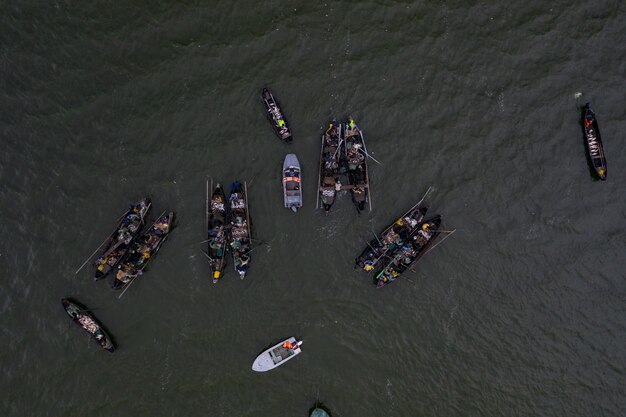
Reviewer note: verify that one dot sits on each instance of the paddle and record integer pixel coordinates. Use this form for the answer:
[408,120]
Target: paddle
[369,156]
[94,252]
[128,285]
[441,241]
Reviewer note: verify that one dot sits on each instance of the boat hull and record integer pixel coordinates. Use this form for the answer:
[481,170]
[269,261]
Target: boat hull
[409,253]
[292,182]
[276,355]
[88,323]
[143,250]
[593,142]
[276,116]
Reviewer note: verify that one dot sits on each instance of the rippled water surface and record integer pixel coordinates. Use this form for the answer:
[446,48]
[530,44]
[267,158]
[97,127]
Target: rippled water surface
[519,313]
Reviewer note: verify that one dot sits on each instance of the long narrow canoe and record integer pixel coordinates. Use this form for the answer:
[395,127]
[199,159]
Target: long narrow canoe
[409,252]
[384,245]
[88,323]
[240,232]
[142,250]
[328,182]
[355,154]
[120,241]
[276,117]
[217,233]
[593,141]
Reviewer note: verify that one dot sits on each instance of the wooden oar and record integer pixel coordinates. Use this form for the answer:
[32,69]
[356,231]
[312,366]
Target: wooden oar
[127,286]
[435,245]
[370,156]
[379,242]
[94,252]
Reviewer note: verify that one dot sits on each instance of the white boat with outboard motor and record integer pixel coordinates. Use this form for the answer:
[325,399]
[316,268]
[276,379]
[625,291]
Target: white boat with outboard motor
[277,355]
[292,182]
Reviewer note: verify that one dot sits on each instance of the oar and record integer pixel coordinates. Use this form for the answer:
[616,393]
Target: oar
[127,286]
[425,194]
[370,156]
[379,242]
[435,245]
[94,252]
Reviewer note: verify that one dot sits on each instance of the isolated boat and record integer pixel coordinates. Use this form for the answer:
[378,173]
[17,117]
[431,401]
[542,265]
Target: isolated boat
[217,232]
[276,116]
[88,323]
[409,252]
[355,154]
[292,183]
[277,355]
[240,233]
[394,236]
[330,154]
[594,142]
[143,249]
[119,242]
[319,411]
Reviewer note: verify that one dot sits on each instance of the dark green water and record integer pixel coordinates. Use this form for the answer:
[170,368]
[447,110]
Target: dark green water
[520,313]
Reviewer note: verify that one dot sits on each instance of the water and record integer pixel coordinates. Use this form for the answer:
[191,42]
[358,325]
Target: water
[519,313]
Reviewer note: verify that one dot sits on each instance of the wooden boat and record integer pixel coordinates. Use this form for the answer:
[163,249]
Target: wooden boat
[394,236]
[409,252]
[240,231]
[356,158]
[143,249]
[330,154]
[88,323]
[217,239]
[276,116]
[292,183]
[119,242]
[277,355]
[594,142]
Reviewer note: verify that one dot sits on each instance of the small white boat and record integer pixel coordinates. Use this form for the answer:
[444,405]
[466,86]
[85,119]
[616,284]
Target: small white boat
[292,182]
[277,355]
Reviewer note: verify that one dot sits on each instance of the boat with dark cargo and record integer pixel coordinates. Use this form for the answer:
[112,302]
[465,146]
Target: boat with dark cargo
[217,231]
[394,236]
[292,183]
[328,180]
[356,158]
[407,254]
[143,249]
[88,323]
[240,228]
[277,355]
[593,141]
[119,242]
[276,117]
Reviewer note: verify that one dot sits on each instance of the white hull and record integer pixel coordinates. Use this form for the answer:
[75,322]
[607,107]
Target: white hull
[276,356]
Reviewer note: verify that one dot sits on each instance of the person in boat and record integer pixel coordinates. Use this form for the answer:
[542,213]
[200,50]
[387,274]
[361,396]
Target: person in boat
[289,345]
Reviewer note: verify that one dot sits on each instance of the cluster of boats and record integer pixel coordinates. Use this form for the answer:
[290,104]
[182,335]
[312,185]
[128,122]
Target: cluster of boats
[342,165]
[400,245]
[127,251]
[228,229]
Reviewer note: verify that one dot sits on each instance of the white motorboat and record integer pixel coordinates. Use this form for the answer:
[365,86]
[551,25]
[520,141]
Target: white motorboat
[277,355]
